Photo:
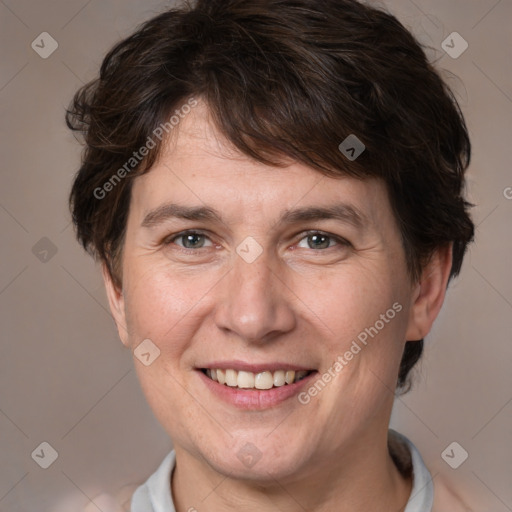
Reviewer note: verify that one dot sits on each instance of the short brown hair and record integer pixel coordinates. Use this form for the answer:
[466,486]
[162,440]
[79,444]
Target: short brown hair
[281,78]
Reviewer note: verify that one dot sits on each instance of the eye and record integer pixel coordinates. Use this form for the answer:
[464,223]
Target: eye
[190,240]
[319,240]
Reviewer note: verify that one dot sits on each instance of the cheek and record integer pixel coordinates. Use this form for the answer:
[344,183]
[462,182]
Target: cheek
[152,303]
[165,310]
[163,305]
[362,313]
[348,300]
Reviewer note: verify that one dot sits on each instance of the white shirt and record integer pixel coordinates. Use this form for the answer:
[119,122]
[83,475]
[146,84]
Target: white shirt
[155,494]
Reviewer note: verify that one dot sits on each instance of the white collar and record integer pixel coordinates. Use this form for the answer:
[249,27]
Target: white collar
[155,494]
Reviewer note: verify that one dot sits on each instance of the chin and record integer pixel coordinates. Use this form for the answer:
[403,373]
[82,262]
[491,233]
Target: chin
[245,461]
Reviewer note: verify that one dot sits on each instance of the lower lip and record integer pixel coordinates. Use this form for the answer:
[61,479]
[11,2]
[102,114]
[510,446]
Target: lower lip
[255,398]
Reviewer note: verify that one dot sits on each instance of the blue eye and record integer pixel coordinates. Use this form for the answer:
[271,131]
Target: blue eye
[191,240]
[316,240]
[322,240]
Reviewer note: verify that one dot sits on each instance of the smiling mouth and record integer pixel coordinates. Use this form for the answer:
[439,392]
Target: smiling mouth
[261,380]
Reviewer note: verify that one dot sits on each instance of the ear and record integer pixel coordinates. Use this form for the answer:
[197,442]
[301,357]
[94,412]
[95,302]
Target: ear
[117,306]
[428,295]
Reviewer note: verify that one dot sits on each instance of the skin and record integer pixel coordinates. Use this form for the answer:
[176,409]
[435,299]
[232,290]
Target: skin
[296,303]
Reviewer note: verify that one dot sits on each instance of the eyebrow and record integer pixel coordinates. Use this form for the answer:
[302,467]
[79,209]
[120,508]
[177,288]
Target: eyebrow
[340,211]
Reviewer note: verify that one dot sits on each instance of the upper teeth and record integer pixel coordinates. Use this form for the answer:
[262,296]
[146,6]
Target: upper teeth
[262,380]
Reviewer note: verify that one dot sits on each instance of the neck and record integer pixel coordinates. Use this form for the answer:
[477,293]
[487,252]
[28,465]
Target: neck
[362,479]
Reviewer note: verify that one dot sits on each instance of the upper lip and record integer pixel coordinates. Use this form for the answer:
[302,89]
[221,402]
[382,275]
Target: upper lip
[254,368]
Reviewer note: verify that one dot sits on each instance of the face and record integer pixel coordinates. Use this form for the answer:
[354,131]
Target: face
[263,276]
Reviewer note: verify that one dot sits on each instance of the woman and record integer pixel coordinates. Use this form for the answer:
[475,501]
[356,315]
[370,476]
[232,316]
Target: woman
[274,189]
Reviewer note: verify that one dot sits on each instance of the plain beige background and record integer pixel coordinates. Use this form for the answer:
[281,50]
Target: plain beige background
[66,379]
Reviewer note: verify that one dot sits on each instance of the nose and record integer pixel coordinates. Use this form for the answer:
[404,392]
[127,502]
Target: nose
[256,301]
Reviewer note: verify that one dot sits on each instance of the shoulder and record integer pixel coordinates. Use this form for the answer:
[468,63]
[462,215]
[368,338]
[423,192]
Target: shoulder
[435,494]
[142,497]
[446,497]
[115,502]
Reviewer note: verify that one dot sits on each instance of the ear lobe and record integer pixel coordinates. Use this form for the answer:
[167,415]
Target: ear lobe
[117,305]
[429,294]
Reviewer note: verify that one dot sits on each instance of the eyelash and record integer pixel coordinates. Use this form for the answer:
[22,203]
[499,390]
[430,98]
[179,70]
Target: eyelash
[170,240]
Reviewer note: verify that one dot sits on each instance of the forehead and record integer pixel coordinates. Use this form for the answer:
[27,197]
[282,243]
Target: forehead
[199,166]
